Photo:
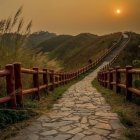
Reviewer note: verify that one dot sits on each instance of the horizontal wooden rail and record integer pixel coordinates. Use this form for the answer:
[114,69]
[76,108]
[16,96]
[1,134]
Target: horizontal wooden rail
[4,73]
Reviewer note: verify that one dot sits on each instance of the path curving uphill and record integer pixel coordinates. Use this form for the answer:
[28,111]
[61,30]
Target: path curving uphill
[81,114]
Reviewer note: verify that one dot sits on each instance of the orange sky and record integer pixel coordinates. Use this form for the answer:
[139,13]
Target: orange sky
[76,16]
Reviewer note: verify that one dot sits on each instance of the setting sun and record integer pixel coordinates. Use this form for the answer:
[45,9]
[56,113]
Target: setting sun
[118,11]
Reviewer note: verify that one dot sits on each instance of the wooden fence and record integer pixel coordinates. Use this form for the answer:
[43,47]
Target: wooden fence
[120,78]
[51,79]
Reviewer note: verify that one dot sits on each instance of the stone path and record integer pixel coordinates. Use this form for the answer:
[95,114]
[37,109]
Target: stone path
[81,114]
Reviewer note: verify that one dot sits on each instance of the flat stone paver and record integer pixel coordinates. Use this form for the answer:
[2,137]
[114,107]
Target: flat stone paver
[81,114]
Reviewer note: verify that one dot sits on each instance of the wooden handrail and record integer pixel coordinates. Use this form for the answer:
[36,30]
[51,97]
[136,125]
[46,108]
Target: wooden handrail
[4,73]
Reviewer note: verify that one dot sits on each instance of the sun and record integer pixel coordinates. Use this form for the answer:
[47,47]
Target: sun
[118,11]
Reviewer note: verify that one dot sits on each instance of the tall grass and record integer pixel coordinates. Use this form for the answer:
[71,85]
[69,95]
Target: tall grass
[13,36]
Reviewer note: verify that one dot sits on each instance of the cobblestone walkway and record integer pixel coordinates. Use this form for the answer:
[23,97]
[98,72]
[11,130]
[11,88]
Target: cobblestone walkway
[81,114]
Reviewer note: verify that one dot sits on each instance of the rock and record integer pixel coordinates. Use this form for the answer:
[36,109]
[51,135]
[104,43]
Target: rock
[84,120]
[105,114]
[57,124]
[75,130]
[65,128]
[62,137]
[93,122]
[71,118]
[88,132]
[51,132]
[92,137]
[32,137]
[103,126]
[101,131]
[78,136]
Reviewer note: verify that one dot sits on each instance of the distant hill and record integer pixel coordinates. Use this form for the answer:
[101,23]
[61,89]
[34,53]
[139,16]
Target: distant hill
[53,43]
[75,51]
[130,53]
[36,38]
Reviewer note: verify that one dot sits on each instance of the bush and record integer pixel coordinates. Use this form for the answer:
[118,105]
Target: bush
[8,117]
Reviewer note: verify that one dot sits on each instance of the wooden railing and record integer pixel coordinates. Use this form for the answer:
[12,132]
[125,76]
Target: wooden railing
[51,79]
[111,77]
[120,78]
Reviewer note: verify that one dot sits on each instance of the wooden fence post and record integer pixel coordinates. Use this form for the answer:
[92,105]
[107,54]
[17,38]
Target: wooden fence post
[129,81]
[60,79]
[45,79]
[106,78]
[117,79]
[110,86]
[36,95]
[52,80]
[65,75]
[77,74]
[56,80]
[63,79]
[10,85]
[103,78]
[18,85]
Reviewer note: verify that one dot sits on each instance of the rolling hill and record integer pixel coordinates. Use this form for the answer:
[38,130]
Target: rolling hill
[37,37]
[75,51]
[53,43]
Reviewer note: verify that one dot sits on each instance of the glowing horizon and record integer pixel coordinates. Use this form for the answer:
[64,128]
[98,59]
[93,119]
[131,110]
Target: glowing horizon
[74,17]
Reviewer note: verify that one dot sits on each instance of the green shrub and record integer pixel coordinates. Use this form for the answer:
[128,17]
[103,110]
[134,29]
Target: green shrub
[12,116]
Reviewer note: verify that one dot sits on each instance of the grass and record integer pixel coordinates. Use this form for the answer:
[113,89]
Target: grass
[128,112]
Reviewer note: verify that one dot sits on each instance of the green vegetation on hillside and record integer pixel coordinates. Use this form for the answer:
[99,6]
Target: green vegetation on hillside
[131,54]
[36,38]
[76,52]
[53,43]
[72,52]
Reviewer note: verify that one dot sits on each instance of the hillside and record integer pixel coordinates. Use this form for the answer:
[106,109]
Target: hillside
[76,51]
[36,38]
[131,54]
[53,43]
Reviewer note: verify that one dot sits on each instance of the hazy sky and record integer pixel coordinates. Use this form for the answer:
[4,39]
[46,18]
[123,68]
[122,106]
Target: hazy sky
[76,16]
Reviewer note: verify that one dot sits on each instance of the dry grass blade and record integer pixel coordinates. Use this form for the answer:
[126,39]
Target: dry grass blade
[20,25]
[2,24]
[18,13]
[8,25]
[28,28]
